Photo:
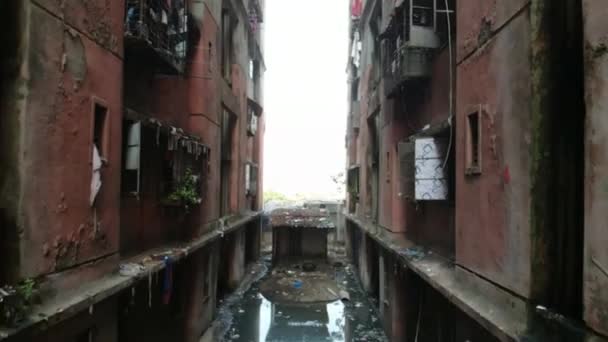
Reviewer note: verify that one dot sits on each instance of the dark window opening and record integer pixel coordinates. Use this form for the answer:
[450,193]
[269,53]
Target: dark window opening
[352,182]
[228,128]
[131,133]
[100,129]
[227,44]
[443,25]
[354,90]
[423,13]
[86,336]
[473,144]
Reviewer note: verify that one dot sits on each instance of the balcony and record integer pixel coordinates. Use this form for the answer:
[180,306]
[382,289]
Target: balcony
[156,31]
[406,65]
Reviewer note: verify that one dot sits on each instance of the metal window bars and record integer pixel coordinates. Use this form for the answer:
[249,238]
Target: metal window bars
[162,24]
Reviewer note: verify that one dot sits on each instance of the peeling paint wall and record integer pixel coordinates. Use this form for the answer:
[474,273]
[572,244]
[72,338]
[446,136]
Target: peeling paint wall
[66,68]
[596,155]
[492,211]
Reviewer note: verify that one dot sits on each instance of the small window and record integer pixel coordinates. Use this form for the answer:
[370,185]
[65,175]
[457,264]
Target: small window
[388,167]
[132,133]
[86,336]
[423,13]
[252,126]
[352,182]
[251,179]
[473,144]
[354,91]
[100,113]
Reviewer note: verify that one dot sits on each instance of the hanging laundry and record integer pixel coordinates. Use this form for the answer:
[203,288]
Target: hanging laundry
[168,280]
[96,176]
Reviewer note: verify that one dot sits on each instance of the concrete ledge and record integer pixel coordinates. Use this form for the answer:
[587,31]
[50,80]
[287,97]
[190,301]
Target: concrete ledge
[505,315]
[66,305]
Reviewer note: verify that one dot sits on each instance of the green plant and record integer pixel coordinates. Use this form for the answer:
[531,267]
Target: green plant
[27,289]
[16,301]
[186,192]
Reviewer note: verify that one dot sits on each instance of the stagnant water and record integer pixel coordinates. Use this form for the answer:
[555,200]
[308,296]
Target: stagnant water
[253,318]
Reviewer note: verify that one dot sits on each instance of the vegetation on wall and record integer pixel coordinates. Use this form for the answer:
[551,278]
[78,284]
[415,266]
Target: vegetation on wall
[186,192]
[16,301]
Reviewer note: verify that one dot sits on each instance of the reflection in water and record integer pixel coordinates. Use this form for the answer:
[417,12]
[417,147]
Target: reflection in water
[258,320]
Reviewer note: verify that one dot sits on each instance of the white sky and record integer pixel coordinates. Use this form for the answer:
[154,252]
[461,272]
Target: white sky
[306,45]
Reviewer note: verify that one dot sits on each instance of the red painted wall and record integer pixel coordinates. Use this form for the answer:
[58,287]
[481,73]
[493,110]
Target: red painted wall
[492,211]
[71,65]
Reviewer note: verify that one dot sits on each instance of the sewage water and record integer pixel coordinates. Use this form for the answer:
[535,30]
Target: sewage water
[256,319]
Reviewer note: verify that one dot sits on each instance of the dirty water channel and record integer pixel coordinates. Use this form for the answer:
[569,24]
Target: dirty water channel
[250,316]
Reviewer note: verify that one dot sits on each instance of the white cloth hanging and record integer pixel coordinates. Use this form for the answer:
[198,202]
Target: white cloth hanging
[96,177]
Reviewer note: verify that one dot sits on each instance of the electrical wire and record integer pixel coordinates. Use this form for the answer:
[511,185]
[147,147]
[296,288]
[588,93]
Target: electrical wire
[451,93]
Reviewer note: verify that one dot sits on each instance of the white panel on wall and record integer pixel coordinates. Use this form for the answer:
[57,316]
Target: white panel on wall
[431,177]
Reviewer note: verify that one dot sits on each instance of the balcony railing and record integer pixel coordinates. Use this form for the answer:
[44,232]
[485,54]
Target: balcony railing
[403,64]
[159,28]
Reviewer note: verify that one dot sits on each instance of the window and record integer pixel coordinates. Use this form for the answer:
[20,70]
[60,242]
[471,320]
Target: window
[388,167]
[86,336]
[252,122]
[227,44]
[423,13]
[251,179]
[132,157]
[99,148]
[352,183]
[253,69]
[473,144]
[407,170]
[354,90]
[445,20]
[100,138]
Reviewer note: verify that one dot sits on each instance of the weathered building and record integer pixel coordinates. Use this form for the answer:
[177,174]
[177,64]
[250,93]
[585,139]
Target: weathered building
[475,152]
[130,163]
[300,233]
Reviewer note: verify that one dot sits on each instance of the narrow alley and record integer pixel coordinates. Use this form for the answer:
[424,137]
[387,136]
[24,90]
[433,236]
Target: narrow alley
[327,170]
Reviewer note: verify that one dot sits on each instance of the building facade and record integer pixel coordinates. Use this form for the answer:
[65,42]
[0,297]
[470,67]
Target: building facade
[131,162]
[475,150]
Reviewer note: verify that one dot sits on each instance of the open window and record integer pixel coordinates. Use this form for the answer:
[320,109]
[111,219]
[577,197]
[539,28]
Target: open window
[423,13]
[100,129]
[252,121]
[99,147]
[251,179]
[353,187]
[228,27]
[473,146]
[131,175]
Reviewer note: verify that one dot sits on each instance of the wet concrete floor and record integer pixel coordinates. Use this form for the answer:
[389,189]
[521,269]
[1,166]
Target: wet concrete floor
[252,317]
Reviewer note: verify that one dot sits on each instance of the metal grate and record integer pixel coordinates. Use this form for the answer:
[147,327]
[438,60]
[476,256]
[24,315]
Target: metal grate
[162,24]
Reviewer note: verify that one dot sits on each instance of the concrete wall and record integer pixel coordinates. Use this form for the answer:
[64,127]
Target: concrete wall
[64,58]
[596,165]
[492,209]
[73,60]
[395,119]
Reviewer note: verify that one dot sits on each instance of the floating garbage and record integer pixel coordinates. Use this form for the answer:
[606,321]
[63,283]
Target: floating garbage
[130,269]
[297,284]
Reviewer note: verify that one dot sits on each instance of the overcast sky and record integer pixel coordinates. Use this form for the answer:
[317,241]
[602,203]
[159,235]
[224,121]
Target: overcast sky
[306,45]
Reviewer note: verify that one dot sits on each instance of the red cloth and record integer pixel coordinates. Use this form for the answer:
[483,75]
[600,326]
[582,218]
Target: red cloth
[357,8]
